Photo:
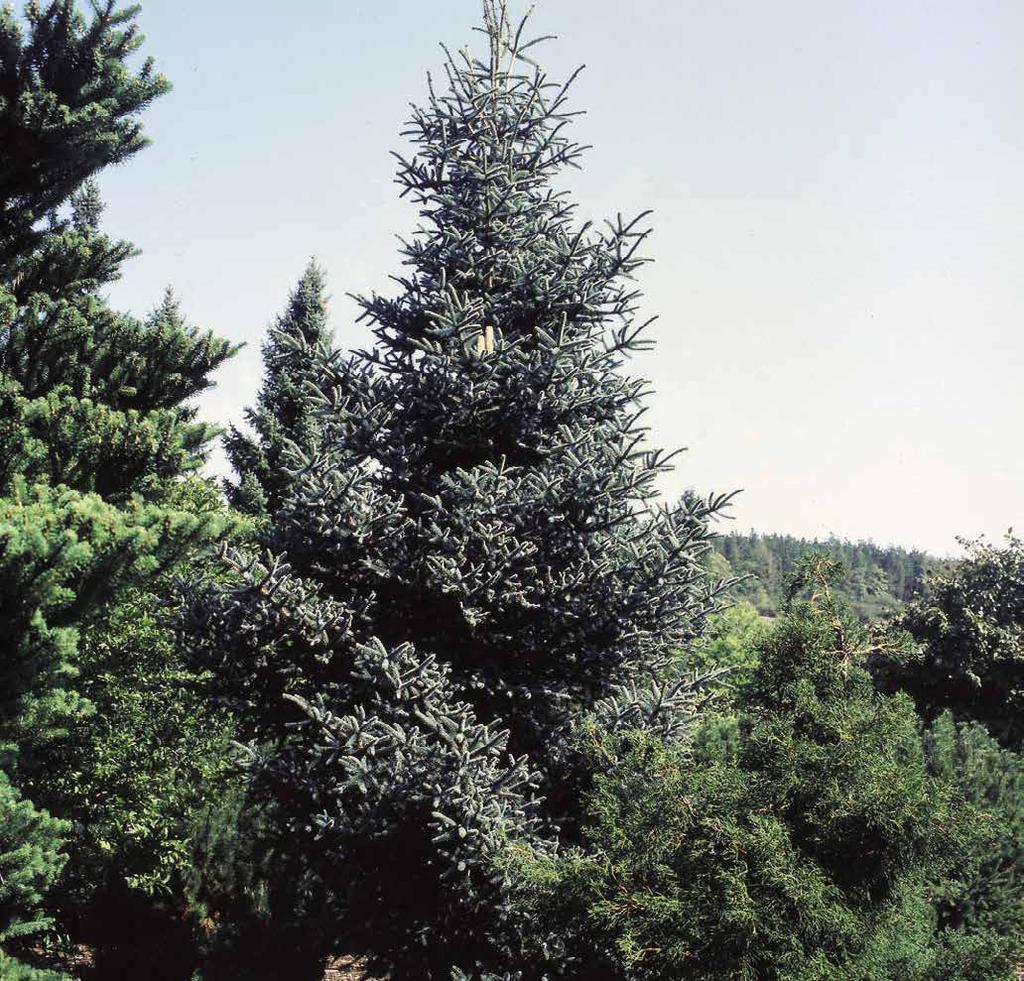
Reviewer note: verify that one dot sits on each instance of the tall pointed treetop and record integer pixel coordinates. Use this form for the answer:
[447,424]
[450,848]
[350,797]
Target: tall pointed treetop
[284,419]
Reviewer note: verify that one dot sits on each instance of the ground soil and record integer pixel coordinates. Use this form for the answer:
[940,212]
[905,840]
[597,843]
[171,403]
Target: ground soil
[347,969]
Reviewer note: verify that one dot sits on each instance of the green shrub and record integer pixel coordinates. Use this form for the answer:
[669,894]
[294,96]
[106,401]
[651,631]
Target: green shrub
[971,635]
[30,858]
[801,844]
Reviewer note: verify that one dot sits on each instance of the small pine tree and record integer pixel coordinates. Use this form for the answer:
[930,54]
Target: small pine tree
[471,559]
[30,859]
[284,419]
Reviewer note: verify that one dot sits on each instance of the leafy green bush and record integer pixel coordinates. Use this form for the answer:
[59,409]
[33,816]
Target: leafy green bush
[971,635]
[803,847]
[138,768]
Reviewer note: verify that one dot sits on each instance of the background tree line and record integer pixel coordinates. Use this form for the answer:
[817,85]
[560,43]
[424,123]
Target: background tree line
[875,579]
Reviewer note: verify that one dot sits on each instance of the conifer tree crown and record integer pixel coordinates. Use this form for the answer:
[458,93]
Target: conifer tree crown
[69,106]
[284,420]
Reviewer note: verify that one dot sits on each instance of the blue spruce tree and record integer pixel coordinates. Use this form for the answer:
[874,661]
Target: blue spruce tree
[471,559]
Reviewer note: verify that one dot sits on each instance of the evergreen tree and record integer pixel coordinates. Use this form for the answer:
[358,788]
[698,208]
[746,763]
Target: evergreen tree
[29,861]
[472,559]
[807,846]
[96,429]
[93,398]
[94,421]
[69,107]
[284,418]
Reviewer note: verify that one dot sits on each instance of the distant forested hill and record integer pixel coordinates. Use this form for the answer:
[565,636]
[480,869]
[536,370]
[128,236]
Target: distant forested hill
[878,579]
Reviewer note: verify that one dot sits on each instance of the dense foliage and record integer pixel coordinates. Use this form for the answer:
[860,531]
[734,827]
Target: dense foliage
[806,851]
[450,687]
[729,646]
[137,772]
[96,433]
[971,635]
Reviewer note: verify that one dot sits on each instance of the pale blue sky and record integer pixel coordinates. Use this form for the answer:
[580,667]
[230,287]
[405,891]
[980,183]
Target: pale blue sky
[838,204]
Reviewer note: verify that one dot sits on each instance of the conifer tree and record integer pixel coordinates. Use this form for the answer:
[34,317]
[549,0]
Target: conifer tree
[93,398]
[472,559]
[284,415]
[96,427]
[69,107]
[92,401]
[29,861]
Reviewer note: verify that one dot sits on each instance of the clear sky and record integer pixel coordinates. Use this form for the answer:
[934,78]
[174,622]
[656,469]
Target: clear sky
[838,204]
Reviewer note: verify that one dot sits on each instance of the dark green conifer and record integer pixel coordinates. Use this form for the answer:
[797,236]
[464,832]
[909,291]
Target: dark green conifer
[94,403]
[472,559]
[285,418]
[96,399]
